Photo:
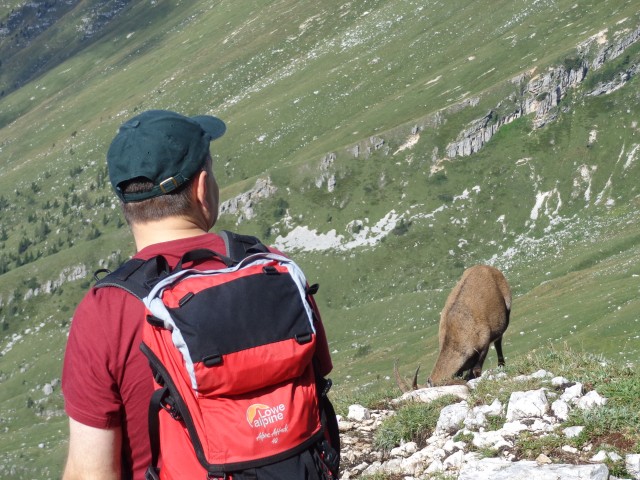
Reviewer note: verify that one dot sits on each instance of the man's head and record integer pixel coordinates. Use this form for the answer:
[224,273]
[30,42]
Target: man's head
[154,159]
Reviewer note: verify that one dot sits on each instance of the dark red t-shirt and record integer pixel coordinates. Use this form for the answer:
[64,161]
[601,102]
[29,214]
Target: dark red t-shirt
[106,380]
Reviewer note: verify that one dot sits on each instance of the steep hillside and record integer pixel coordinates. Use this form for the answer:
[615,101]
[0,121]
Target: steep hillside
[37,36]
[387,145]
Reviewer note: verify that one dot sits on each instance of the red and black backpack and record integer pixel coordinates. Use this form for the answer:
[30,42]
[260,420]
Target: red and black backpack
[232,355]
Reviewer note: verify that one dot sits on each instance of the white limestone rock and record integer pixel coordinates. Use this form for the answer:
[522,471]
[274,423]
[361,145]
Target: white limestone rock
[452,418]
[572,393]
[599,457]
[358,413]
[435,467]
[415,464]
[439,453]
[498,469]
[559,381]
[428,395]
[532,403]
[591,400]
[513,428]
[540,374]
[632,464]
[454,461]
[541,425]
[392,467]
[477,417]
[560,409]
[614,457]
[488,440]
[404,450]
[373,468]
[492,410]
[475,420]
[452,446]
[572,432]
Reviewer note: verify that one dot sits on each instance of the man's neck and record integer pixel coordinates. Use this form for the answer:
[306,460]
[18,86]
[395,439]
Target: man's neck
[166,230]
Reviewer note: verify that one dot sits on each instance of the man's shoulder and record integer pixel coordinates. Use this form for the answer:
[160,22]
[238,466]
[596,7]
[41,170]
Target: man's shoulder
[174,249]
[99,298]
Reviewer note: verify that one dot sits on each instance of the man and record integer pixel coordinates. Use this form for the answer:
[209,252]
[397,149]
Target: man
[161,170]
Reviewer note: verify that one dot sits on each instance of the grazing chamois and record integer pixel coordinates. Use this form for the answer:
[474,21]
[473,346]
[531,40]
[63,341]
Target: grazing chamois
[475,315]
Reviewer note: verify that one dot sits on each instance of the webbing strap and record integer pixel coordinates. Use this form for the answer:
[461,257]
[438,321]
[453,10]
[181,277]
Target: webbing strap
[200,255]
[241,246]
[136,276]
[331,446]
[155,405]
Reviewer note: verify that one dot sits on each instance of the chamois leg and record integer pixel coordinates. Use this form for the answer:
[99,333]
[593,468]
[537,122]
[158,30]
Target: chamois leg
[498,345]
[477,368]
[468,367]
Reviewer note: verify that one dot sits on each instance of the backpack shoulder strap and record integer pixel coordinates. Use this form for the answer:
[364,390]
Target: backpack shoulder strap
[138,276]
[135,276]
[241,246]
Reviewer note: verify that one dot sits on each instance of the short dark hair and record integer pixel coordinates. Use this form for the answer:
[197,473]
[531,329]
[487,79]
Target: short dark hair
[176,203]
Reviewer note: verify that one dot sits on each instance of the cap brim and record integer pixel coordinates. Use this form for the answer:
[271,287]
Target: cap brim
[212,125]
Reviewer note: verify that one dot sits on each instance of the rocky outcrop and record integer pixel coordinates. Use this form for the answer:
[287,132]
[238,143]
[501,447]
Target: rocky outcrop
[242,205]
[326,175]
[497,469]
[479,132]
[541,95]
[615,49]
[69,274]
[368,146]
[544,93]
[464,430]
[618,82]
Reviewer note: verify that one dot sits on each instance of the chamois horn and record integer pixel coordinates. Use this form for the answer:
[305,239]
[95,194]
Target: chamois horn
[400,381]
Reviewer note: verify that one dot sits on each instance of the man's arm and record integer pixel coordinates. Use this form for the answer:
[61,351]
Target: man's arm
[94,453]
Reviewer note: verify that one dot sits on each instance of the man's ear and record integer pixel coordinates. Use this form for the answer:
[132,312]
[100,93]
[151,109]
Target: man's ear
[200,188]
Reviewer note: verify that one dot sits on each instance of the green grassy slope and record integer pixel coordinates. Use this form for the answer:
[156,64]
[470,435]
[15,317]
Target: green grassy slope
[555,208]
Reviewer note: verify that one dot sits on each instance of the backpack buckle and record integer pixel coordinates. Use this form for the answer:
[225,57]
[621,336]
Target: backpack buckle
[303,338]
[330,457]
[270,270]
[169,406]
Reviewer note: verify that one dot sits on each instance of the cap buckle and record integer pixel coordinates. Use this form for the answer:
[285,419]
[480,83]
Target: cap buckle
[168,185]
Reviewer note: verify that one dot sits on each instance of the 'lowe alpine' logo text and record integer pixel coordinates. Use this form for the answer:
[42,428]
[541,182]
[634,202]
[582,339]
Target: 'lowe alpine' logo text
[260,415]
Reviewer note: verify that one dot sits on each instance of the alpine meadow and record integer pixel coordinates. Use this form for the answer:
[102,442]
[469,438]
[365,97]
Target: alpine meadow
[386,145]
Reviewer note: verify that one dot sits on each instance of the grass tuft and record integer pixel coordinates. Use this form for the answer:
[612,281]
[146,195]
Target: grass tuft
[413,422]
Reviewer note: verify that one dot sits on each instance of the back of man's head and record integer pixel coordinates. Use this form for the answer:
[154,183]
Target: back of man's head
[155,157]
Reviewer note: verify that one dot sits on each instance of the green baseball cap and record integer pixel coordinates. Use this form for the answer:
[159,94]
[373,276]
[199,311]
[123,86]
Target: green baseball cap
[163,147]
